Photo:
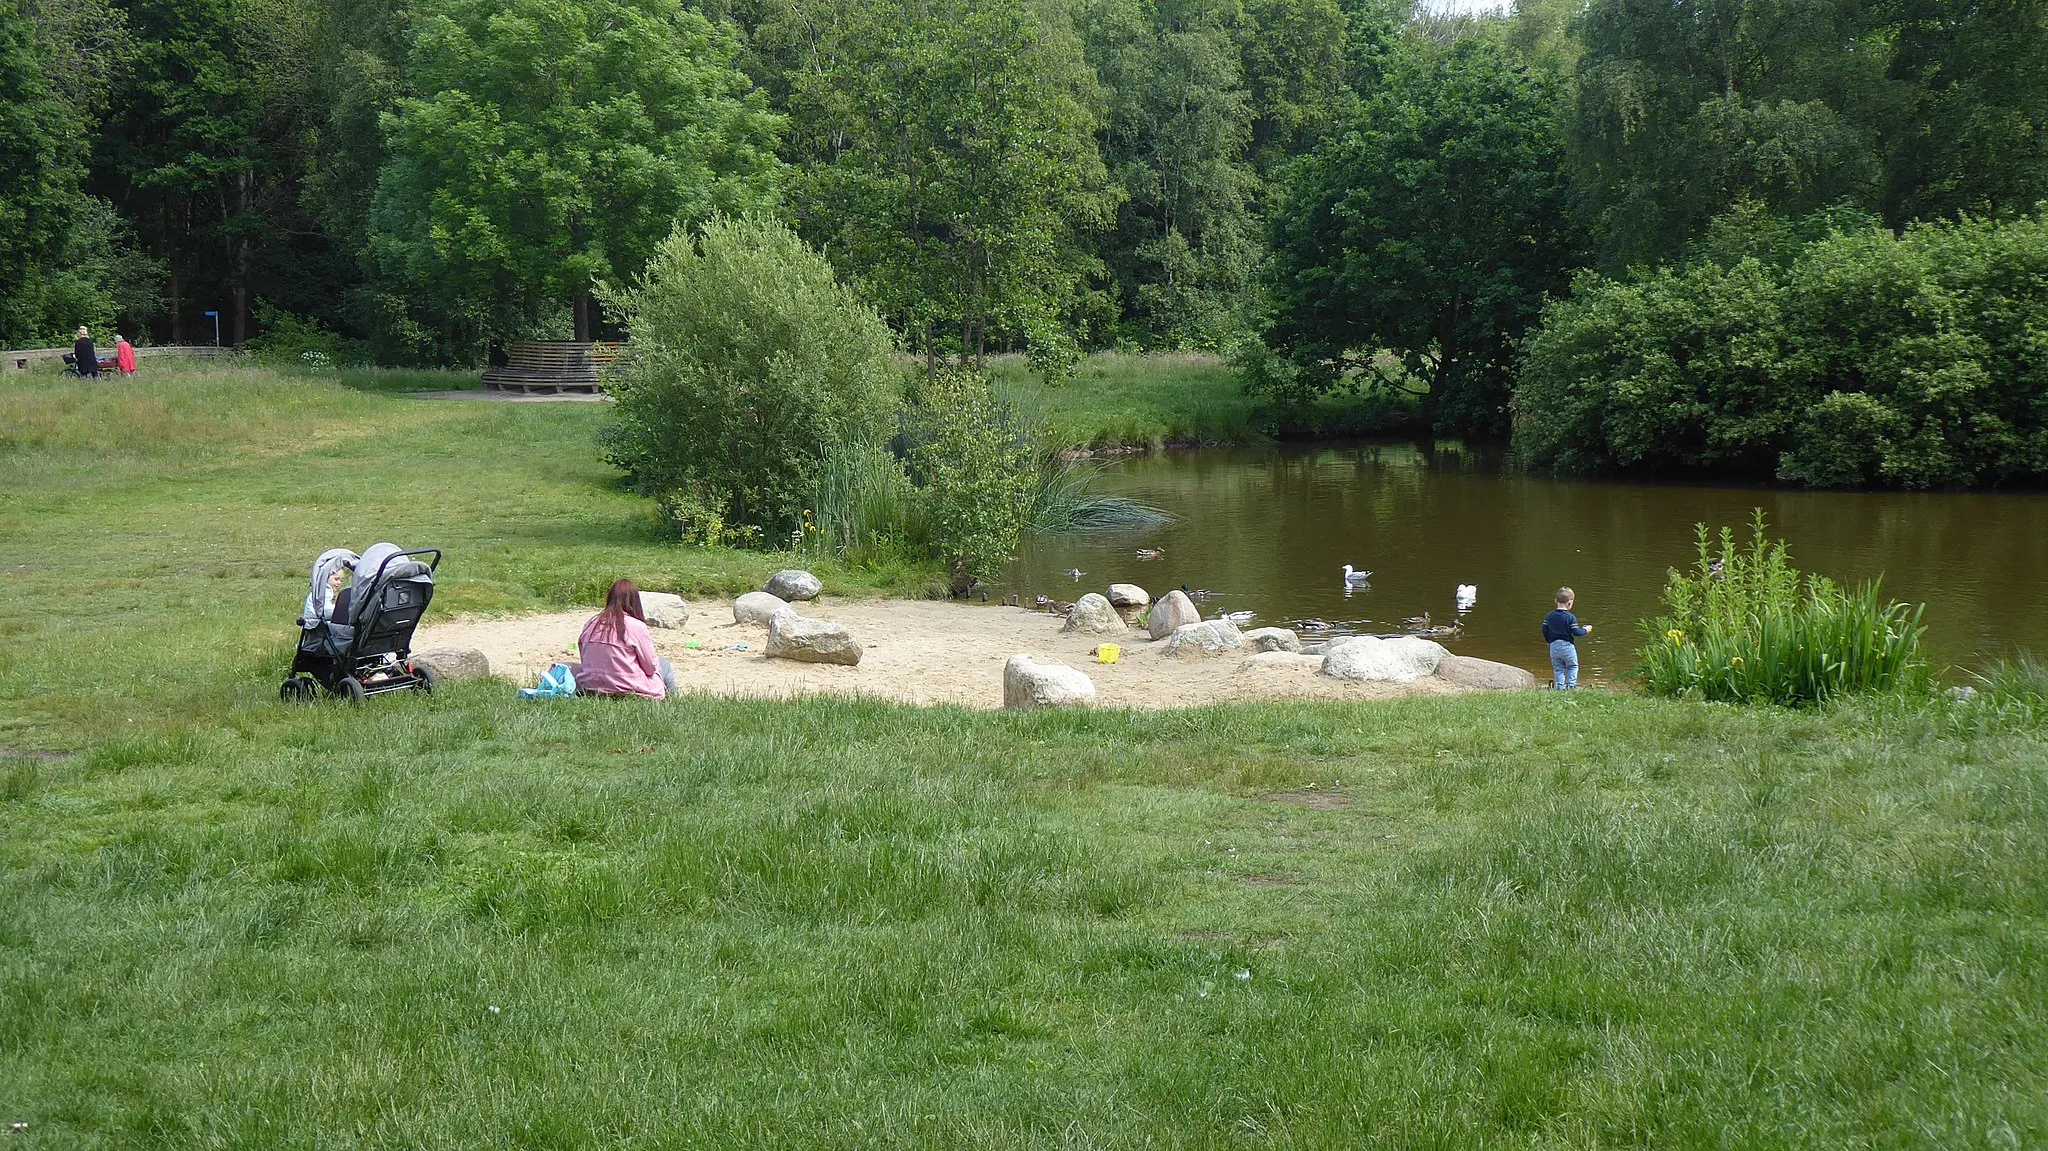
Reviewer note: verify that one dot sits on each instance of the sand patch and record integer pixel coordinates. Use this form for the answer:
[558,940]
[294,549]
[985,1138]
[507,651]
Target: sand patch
[915,651]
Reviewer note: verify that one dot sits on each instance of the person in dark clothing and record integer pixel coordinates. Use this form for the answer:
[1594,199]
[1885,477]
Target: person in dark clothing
[1561,630]
[86,358]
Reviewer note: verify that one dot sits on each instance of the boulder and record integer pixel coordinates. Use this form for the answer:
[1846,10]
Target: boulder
[1283,661]
[1128,595]
[1365,657]
[1028,683]
[1272,639]
[758,607]
[1484,674]
[791,636]
[1210,637]
[1173,611]
[454,662]
[1093,615]
[793,585]
[663,609]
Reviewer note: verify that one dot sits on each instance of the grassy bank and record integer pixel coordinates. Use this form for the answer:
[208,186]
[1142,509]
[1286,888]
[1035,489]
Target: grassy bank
[1149,401]
[1524,921]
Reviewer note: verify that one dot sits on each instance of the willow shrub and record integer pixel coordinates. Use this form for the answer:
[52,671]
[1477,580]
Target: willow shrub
[1744,625]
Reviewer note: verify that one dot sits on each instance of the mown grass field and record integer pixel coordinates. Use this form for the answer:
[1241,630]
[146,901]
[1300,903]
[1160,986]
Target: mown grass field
[1532,921]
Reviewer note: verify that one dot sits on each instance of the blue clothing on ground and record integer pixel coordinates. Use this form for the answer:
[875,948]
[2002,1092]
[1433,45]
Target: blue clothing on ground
[1561,625]
[1564,664]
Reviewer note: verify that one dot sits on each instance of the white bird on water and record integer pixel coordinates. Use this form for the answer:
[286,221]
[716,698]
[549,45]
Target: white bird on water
[1468,595]
[1354,578]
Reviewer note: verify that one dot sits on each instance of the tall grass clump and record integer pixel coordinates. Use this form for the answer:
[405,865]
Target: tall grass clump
[1746,626]
[866,507]
[2013,696]
[1061,502]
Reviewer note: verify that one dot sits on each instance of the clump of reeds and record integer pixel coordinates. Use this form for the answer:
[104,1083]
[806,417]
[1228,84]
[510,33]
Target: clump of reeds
[1745,625]
[1061,502]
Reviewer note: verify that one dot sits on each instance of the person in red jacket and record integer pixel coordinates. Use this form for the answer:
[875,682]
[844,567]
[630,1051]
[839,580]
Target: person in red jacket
[124,355]
[618,651]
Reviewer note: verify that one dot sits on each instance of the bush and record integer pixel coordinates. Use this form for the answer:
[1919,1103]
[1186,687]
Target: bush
[750,366]
[292,341]
[977,464]
[1745,626]
[1913,361]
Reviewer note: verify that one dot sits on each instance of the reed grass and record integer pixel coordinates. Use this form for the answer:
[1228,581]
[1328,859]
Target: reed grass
[1061,502]
[1745,626]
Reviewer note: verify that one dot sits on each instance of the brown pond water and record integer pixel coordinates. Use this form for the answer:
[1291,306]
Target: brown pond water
[1268,530]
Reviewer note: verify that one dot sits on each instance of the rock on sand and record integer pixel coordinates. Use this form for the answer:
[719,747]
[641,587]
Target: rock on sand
[791,636]
[793,585]
[758,607]
[1485,674]
[1272,639]
[1210,637]
[1028,683]
[664,610]
[1128,595]
[1365,657]
[1174,610]
[454,662]
[1093,615]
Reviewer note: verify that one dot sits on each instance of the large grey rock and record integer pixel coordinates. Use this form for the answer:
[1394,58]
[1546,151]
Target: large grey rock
[793,585]
[1173,611]
[1485,674]
[1210,637]
[791,636]
[1272,639]
[454,662]
[663,609]
[1128,595]
[1093,615]
[1365,657]
[758,607]
[1288,662]
[1029,683]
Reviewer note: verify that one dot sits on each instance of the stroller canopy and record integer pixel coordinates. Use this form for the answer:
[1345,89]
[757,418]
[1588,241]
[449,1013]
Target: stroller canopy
[330,561]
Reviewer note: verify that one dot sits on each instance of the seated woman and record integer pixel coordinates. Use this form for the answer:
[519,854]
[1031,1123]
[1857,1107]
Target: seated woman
[618,650]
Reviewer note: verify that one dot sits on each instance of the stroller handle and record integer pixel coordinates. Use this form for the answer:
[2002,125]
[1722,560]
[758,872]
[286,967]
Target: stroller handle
[431,564]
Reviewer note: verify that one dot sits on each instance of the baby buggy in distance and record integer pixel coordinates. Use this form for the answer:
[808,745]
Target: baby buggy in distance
[362,646]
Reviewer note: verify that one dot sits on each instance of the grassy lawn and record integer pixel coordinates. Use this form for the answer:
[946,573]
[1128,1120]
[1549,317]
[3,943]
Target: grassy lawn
[1513,921]
[1148,401]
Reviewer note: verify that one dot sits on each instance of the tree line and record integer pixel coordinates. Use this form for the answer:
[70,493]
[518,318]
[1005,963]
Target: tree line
[1340,193]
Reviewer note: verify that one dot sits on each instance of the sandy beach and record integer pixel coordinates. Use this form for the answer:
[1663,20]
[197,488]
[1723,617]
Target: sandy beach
[915,651]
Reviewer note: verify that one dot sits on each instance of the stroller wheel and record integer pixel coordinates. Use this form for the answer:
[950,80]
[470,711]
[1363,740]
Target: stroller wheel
[426,679]
[288,691]
[353,688]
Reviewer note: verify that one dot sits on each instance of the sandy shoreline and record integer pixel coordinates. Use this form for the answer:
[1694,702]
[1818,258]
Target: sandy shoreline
[915,651]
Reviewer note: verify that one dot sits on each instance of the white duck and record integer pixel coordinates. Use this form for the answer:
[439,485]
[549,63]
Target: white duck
[1468,595]
[1355,578]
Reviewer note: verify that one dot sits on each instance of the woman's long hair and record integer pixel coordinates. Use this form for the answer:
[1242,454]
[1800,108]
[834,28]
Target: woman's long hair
[622,601]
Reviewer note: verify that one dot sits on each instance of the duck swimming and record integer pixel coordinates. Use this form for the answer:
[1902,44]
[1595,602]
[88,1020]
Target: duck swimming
[1151,553]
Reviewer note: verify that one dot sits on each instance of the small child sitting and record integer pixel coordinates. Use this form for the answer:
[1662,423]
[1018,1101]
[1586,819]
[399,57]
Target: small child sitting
[1561,630]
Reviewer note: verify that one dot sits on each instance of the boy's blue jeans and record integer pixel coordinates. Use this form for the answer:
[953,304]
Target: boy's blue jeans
[1564,664]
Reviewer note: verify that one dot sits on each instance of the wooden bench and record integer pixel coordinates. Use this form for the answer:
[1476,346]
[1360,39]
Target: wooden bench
[553,367]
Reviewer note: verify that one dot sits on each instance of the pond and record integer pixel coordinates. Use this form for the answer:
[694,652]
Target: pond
[1268,530]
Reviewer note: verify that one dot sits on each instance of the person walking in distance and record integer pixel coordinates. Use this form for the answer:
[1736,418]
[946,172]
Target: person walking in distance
[85,358]
[1561,630]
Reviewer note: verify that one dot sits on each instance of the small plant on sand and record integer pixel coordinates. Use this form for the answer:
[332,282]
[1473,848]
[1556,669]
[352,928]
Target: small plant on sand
[1744,625]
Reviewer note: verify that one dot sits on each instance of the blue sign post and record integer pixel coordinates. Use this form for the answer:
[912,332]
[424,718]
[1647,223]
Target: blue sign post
[216,328]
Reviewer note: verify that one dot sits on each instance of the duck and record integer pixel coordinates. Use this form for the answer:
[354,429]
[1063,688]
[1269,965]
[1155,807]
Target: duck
[962,584]
[1062,607]
[1468,595]
[1151,553]
[1313,624]
[1441,631]
[1416,622]
[1354,577]
[1240,618]
[1075,574]
[1196,593]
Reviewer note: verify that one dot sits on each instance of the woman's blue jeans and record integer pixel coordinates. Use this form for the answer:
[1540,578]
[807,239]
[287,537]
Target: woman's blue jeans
[1564,664]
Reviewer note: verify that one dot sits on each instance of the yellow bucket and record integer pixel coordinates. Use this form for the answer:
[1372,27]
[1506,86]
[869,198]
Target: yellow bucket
[1107,653]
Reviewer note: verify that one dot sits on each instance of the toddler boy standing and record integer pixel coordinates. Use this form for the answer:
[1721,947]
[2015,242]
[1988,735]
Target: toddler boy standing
[1562,629]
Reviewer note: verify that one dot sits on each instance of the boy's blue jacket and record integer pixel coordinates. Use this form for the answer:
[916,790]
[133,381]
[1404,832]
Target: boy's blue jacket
[1561,624]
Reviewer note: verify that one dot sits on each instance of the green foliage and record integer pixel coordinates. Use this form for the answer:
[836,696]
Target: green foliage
[866,507]
[294,341]
[945,160]
[551,145]
[1744,626]
[1911,361]
[978,467]
[1060,502]
[751,366]
[1432,227]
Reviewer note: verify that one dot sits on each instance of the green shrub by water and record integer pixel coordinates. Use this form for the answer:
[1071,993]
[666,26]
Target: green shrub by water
[1744,625]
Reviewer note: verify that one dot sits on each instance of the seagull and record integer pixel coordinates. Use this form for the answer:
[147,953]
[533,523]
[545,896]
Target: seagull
[1151,553]
[1239,617]
[1468,594]
[1355,578]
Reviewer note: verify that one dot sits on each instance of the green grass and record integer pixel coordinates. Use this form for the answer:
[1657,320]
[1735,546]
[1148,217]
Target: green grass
[1118,401]
[1590,920]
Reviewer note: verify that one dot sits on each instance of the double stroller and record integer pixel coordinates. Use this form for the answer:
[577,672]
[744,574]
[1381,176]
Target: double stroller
[358,643]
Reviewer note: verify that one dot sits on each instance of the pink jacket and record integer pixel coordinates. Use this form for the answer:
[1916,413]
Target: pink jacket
[619,662]
[124,356]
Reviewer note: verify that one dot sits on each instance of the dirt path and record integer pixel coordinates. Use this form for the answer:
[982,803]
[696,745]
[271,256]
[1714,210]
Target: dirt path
[917,651]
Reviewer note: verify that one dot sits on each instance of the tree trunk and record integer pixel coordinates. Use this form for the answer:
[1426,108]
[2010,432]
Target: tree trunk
[177,311]
[239,326]
[581,308]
